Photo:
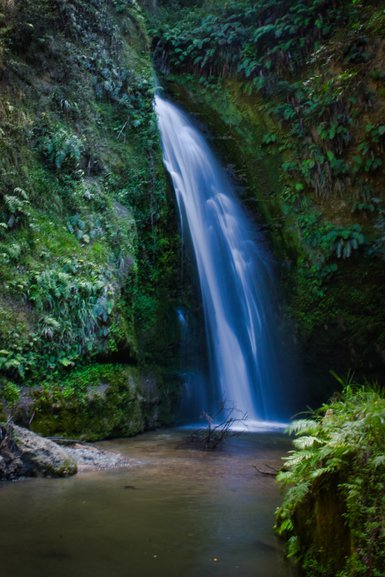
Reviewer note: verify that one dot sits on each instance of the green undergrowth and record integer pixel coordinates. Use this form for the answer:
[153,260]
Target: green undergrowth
[88,250]
[332,516]
[295,96]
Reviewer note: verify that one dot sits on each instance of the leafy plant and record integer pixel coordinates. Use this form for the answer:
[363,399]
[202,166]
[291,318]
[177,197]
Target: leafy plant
[63,149]
[17,208]
[345,240]
[339,450]
[9,393]
[367,202]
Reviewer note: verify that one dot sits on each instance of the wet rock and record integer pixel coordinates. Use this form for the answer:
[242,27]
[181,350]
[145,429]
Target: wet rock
[10,466]
[25,454]
[91,458]
[3,467]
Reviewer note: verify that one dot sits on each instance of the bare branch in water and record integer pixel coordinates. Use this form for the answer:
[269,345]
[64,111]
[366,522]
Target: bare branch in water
[219,427]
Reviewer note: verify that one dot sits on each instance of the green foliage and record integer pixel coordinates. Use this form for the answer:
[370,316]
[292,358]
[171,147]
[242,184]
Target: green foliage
[9,393]
[367,202]
[122,6]
[265,45]
[62,149]
[63,294]
[345,240]
[83,209]
[326,241]
[338,450]
[17,209]
[254,41]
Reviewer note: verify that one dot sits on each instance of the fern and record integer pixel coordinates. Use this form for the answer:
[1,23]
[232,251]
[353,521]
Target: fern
[341,447]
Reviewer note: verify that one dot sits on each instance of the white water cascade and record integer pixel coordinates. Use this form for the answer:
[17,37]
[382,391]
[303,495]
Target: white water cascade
[234,271]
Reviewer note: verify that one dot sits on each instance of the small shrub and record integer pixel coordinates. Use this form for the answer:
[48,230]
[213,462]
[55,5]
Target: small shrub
[63,150]
[343,241]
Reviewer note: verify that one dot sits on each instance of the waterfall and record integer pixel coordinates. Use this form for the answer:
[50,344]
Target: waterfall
[234,269]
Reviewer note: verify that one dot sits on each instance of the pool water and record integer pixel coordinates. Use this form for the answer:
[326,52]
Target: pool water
[176,512]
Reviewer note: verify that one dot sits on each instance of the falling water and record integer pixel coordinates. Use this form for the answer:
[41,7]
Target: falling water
[234,271]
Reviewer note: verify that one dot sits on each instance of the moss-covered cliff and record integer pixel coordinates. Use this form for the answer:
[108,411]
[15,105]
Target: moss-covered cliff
[87,245]
[294,93]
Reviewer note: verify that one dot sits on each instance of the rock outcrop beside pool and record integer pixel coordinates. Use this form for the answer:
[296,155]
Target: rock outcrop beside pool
[90,458]
[25,454]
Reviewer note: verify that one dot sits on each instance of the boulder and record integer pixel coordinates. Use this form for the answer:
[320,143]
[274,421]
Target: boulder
[25,454]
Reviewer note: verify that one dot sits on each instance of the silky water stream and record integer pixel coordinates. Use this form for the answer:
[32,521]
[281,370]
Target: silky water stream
[247,367]
[178,511]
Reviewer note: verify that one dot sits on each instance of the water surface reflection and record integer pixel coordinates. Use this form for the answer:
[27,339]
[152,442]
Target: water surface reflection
[177,512]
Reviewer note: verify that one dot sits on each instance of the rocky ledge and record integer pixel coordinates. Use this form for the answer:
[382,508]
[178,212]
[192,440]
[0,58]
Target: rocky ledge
[90,458]
[25,454]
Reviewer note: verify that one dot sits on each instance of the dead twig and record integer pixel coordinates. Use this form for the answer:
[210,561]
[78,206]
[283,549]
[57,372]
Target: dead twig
[219,427]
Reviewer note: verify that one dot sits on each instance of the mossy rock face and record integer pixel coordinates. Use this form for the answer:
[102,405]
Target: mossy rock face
[96,402]
[300,122]
[88,242]
[335,303]
[319,522]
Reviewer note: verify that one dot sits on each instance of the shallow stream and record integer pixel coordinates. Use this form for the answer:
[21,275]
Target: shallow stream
[176,512]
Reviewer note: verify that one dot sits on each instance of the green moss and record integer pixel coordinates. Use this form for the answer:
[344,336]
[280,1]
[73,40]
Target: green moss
[95,402]
[83,197]
[68,469]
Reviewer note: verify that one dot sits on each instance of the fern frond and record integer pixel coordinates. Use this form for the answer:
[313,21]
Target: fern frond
[303,426]
[306,442]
